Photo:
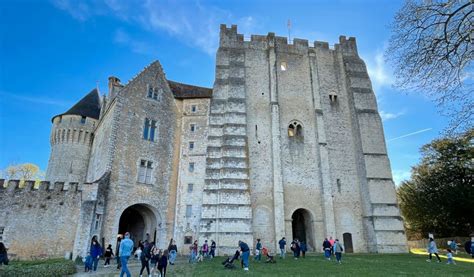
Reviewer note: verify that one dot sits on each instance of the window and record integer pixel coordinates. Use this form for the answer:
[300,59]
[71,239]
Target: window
[144,171]
[189,210]
[295,130]
[83,120]
[193,108]
[191,145]
[149,129]
[188,240]
[97,221]
[283,66]
[190,187]
[191,167]
[152,92]
[333,98]
[2,230]
[192,127]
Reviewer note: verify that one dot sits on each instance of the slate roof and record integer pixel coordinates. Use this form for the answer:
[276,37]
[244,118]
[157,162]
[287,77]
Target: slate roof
[182,91]
[88,106]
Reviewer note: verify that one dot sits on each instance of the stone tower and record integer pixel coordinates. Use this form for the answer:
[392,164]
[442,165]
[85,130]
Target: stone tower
[72,134]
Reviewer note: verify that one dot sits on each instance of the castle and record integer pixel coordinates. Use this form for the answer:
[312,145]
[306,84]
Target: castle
[287,143]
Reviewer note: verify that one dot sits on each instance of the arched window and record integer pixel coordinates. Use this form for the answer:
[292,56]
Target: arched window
[295,129]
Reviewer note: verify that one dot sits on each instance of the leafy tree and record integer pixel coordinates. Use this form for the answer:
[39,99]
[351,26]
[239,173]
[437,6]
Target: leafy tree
[439,197]
[432,50]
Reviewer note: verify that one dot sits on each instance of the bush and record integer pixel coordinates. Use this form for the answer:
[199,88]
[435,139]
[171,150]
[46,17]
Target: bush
[53,267]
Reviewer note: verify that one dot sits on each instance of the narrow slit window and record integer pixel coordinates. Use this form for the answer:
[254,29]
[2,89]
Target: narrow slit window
[189,210]
[193,108]
[193,127]
[190,187]
[191,167]
[191,145]
[283,66]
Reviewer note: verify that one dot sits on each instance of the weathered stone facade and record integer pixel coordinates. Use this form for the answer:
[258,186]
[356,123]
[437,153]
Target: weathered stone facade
[289,143]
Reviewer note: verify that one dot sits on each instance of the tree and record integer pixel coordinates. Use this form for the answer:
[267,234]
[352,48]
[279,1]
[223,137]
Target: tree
[439,197]
[431,50]
[26,171]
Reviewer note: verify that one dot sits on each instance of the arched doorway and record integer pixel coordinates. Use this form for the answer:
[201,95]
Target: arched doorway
[140,221]
[347,237]
[301,225]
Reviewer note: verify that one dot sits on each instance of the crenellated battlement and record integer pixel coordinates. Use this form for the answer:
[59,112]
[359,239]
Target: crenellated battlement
[230,38]
[13,186]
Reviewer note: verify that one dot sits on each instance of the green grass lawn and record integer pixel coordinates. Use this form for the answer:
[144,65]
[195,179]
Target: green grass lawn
[353,265]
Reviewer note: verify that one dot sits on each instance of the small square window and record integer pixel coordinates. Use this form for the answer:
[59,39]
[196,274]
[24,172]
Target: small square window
[149,164]
[193,127]
[193,108]
[189,210]
[191,167]
[143,163]
[83,120]
[190,187]
[191,145]
[283,66]
[188,240]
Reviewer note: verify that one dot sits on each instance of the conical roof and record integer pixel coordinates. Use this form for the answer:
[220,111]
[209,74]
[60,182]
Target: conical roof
[88,106]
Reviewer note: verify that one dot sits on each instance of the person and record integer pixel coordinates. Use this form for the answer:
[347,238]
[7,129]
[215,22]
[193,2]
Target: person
[155,255]
[173,250]
[270,258]
[331,241]
[96,252]
[163,263]
[108,255]
[229,262]
[205,249]
[88,261]
[432,249]
[472,248]
[125,251]
[145,256]
[450,256]
[3,254]
[453,246]
[327,249]
[337,249]
[295,247]
[245,254]
[303,248]
[194,251]
[213,249]
[282,244]
[117,255]
[258,251]
[138,252]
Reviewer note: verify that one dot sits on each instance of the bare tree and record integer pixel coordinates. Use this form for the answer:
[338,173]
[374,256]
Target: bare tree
[27,171]
[432,50]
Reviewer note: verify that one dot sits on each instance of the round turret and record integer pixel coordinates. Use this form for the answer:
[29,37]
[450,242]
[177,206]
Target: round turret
[71,139]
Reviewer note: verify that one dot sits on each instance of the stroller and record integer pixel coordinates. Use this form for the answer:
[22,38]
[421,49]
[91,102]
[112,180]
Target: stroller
[229,262]
[270,258]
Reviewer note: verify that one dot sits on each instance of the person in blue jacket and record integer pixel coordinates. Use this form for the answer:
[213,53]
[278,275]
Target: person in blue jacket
[96,252]
[126,248]
[282,244]
[245,254]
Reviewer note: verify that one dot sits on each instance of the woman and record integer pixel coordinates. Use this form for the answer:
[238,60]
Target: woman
[155,256]
[96,252]
[432,249]
[163,263]
[3,254]
[173,249]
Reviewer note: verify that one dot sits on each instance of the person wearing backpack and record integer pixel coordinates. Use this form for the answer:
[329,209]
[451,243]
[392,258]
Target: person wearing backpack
[337,248]
[145,258]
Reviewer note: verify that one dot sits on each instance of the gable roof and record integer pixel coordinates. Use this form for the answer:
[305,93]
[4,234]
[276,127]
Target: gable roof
[182,91]
[88,106]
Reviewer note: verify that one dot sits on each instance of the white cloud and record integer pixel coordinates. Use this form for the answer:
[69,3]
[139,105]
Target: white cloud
[400,175]
[380,74]
[387,116]
[193,23]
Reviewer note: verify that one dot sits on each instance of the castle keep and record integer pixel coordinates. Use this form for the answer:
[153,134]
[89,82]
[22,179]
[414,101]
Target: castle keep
[288,142]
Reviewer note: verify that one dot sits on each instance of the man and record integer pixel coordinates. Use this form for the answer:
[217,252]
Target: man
[245,254]
[258,251]
[282,244]
[125,251]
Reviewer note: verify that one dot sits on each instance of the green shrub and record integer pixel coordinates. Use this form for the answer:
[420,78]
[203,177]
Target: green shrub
[53,267]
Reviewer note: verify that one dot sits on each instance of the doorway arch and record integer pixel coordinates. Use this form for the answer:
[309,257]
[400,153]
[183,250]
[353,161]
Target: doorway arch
[140,220]
[301,226]
[347,238]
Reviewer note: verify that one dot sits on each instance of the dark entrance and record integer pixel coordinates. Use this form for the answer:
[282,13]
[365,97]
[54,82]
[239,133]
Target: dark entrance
[347,237]
[139,220]
[301,226]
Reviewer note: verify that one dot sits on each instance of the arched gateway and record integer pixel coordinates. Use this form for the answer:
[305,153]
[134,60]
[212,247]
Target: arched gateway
[301,225]
[141,221]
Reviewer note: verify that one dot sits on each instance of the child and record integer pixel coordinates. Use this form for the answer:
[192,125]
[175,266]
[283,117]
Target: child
[108,254]
[138,252]
[88,262]
[450,257]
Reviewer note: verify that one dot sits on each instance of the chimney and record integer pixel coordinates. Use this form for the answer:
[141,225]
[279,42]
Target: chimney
[114,86]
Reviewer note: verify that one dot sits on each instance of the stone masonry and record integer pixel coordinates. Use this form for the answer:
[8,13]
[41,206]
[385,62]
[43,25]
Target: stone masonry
[288,143]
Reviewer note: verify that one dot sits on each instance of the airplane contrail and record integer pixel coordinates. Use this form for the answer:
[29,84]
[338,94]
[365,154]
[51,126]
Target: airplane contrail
[411,134]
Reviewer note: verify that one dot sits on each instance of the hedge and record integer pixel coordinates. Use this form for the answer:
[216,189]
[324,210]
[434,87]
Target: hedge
[53,267]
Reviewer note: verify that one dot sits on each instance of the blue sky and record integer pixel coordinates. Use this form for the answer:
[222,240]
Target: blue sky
[53,52]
